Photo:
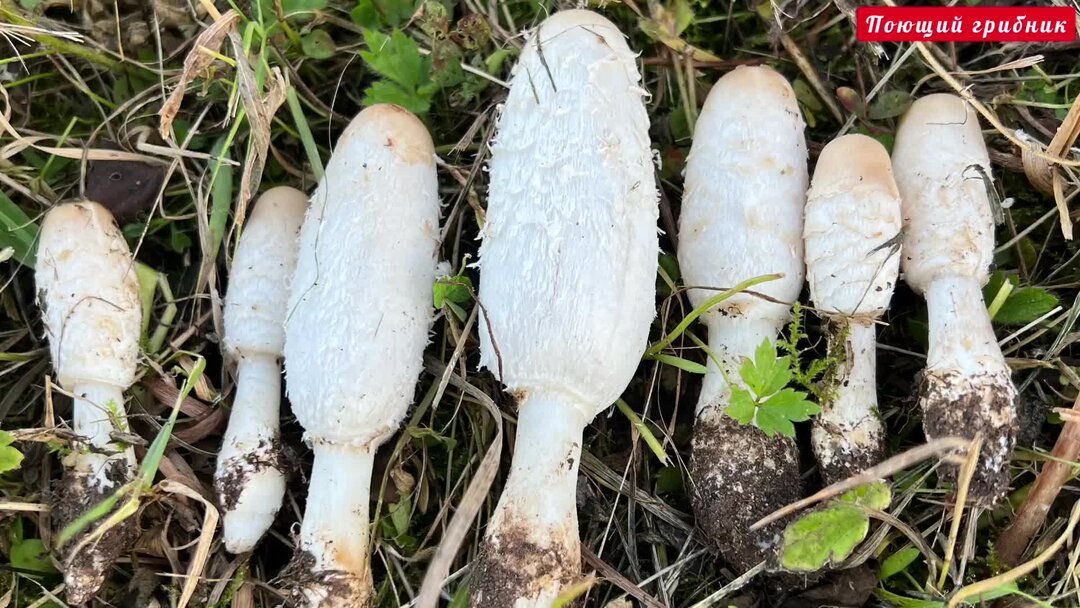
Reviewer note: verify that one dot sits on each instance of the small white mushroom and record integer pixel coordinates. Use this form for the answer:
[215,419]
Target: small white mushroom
[568,271]
[948,249]
[89,297]
[249,479]
[359,314]
[742,217]
[851,231]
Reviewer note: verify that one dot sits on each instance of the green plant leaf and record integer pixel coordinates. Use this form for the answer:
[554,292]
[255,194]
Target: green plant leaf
[684,16]
[771,423]
[889,104]
[875,496]
[396,57]
[823,537]
[770,406]
[400,514]
[643,429]
[791,405]
[1024,305]
[31,554]
[742,406]
[669,479]
[767,373]
[10,458]
[899,561]
[365,14]
[17,231]
[385,91]
[291,7]
[457,289]
[318,45]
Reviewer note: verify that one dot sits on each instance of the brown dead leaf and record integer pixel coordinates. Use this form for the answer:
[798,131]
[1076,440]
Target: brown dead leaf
[197,63]
[260,107]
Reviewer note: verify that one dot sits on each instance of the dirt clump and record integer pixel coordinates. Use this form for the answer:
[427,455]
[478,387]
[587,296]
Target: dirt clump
[71,498]
[512,566]
[237,471]
[959,405]
[741,475]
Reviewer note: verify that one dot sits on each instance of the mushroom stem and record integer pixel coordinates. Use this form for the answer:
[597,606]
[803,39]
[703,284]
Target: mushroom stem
[967,386]
[249,454]
[962,338]
[97,409]
[536,531]
[847,435]
[336,526]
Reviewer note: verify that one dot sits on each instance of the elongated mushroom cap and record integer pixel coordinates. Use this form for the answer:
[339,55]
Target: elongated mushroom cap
[852,214]
[89,296]
[568,258]
[746,181]
[948,222]
[258,296]
[360,305]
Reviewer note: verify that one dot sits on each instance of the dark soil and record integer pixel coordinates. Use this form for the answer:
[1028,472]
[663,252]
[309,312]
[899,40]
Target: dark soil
[840,588]
[515,568]
[960,406]
[334,589]
[740,475]
[853,462]
[229,486]
[85,571]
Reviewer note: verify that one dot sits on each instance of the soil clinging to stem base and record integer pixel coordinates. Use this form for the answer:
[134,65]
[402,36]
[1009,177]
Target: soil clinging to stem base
[72,497]
[238,471]
[851,460]
[959,405]
[512,566]
[739,476]
[309,587]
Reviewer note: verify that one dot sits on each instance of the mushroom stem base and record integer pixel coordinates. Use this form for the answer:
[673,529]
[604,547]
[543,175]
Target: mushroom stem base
[249,482]
[532,549]
[739,476]
[332,565]
[847,436]
[961,405]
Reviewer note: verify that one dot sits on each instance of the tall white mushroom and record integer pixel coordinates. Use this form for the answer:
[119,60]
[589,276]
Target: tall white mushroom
[249,479]
[89,298]
[568,265]
[742,217]
[851,230]
[948,249]
[359,313]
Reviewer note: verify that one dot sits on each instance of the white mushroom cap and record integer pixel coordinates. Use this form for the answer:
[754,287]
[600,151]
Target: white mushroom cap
[569,252]
[89,296]
[360,305]
[948,222]
[258,296]
[852,212]
[742,210]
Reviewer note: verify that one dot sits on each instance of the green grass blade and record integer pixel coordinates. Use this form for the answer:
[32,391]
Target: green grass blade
[705,307]
[17,231]
[644,430]
[304,131]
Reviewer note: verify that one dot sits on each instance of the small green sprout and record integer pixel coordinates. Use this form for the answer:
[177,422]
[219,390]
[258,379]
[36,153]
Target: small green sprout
[766,402]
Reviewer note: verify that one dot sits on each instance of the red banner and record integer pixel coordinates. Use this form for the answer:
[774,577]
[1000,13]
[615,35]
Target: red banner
[966,24]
